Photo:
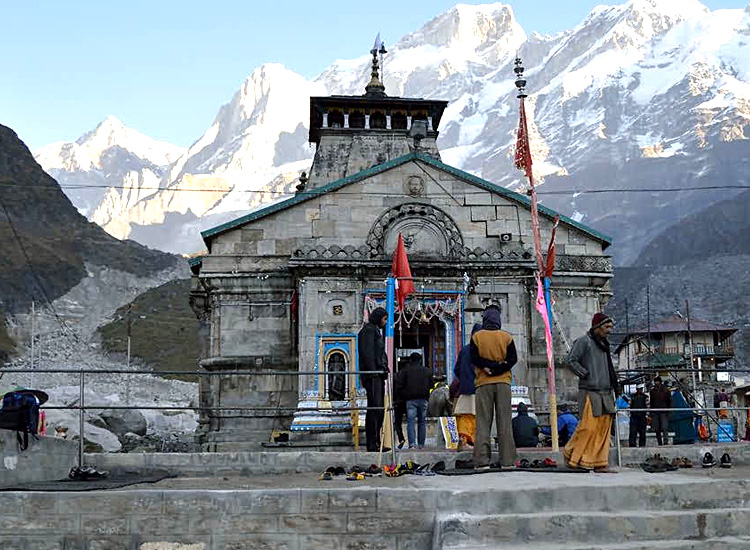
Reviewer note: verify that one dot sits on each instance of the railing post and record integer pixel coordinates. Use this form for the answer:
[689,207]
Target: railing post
[80,425]
[617,438]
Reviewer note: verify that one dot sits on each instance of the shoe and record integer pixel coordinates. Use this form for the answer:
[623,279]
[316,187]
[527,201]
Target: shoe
[373,469]
[726,461]
[708,461]
[549,463]
[355,476]
[326,476]
[523,463]
[482,468]
[401,444]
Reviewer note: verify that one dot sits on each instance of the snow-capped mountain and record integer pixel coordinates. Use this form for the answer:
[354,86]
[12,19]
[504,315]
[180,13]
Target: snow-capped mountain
[646,94]
[118,161]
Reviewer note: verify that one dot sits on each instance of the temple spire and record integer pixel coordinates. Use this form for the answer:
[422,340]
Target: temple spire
[375,86]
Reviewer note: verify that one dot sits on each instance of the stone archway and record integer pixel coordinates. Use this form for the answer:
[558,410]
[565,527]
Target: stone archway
[427,232]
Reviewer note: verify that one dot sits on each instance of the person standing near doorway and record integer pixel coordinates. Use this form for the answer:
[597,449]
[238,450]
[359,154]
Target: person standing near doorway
[413,384]
[493,354]
[372,357]
[464,408]
[660,399]
[638,418]
[591,361]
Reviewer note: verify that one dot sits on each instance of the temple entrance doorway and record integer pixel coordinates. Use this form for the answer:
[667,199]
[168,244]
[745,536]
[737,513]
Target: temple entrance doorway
[426,337]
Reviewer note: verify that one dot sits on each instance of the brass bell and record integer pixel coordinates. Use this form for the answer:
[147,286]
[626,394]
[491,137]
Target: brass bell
[473,303]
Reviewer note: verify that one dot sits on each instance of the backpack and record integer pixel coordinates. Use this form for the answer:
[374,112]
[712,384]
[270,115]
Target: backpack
[20,412]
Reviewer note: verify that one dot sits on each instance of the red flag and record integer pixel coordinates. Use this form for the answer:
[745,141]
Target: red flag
[550,260]
[401,270]
[523,149]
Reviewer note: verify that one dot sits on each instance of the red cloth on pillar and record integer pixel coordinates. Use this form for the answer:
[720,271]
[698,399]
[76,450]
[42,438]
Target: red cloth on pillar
[402,272]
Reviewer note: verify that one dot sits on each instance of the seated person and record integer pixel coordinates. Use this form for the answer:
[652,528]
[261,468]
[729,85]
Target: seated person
[525,428]
[566,425]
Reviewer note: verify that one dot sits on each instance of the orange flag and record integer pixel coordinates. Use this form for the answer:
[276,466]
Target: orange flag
[402,272]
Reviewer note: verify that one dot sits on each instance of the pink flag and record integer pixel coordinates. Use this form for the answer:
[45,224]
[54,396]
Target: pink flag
[541,307]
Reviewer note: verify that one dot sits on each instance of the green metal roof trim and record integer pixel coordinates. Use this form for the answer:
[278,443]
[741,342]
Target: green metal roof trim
[364,174]
[198,260]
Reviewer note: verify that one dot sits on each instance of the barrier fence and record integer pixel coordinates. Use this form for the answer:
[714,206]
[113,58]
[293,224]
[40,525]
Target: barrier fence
[696,412]
[82,407]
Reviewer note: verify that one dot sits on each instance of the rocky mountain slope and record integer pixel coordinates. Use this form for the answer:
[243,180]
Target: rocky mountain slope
[647,94]
[705,259]
[49,248]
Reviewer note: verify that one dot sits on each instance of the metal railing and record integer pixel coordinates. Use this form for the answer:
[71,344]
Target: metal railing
[696,412]
[82,407]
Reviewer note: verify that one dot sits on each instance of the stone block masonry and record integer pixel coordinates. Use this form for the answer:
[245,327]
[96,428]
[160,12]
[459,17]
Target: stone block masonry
[413,512]
[46,458]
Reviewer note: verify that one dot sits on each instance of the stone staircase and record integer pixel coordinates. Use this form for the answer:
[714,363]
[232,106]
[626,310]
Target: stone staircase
[713,516]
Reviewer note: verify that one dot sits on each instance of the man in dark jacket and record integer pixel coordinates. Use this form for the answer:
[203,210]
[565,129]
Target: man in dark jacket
[660,399]
[525,428]
[638,419]
[591,361]
[413,384]
[372,357]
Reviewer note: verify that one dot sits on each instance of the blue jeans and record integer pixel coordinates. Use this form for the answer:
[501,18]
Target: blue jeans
[416,412]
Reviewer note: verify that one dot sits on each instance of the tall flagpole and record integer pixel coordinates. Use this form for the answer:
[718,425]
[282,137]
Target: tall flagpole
[390,300]
[543,302]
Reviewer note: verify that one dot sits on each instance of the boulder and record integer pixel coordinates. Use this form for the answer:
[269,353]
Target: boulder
[121,421]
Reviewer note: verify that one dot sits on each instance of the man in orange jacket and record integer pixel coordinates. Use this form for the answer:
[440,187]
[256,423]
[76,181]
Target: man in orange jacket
[493,354]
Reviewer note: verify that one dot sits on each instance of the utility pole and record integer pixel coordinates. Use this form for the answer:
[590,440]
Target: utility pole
[33,337]
[648,318]
[128,328]
[627,333]
[690,343]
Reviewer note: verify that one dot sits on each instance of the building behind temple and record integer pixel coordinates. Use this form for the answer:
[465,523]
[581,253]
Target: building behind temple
[287,286]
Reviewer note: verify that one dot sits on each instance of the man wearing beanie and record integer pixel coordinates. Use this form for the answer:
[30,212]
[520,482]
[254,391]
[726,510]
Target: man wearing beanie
[591,362]
[493,355]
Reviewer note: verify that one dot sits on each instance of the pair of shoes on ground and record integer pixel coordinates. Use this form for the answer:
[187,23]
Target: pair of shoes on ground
[536,463]
[682,462]
[657,464]
[86,473]
[709,461]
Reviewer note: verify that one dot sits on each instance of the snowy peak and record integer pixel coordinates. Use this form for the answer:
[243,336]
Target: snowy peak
[87,152]
[469,27]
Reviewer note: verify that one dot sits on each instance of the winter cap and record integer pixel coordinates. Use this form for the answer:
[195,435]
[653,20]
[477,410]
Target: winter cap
[600,319]
[522,407]
[491,318]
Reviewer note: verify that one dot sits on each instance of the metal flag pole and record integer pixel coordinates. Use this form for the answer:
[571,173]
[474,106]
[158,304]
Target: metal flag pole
[390,308]
[523,161]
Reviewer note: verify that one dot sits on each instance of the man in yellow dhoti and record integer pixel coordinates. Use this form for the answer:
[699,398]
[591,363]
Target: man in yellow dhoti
[591,361]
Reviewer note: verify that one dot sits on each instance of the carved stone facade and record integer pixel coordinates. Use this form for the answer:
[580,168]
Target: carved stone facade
[286,288]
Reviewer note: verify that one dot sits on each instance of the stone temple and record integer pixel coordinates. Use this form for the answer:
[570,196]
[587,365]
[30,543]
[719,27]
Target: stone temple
[286,287]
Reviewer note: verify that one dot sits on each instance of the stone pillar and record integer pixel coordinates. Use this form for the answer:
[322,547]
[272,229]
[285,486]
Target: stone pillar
[325,120]
[346,120]
[367,121]
[388,122]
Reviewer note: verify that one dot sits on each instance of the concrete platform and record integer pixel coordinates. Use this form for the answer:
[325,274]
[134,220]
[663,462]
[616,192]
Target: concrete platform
[298,512]
[46,458]
[245,463]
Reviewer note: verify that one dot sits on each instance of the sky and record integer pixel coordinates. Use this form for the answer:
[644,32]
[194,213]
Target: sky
[165,67]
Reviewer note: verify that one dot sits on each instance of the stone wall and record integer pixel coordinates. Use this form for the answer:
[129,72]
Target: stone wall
[47,458]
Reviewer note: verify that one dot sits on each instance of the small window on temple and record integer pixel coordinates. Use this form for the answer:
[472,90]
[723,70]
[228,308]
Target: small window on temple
[377,120]
[335,119]
[398,121]
[356,120]
[336,367]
